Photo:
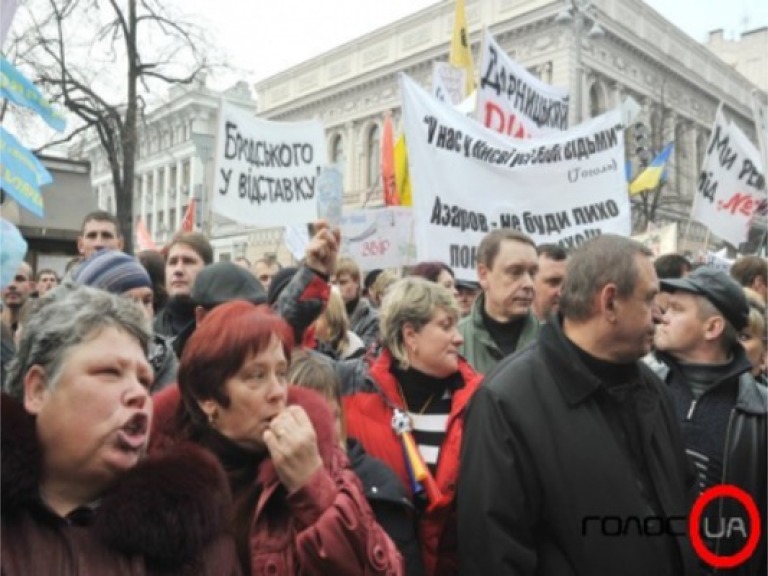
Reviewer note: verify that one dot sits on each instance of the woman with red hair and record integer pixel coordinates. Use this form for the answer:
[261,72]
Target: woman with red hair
[298,508]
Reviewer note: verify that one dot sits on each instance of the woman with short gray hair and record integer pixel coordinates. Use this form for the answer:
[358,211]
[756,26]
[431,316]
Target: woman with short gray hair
[406,407]
[79,496]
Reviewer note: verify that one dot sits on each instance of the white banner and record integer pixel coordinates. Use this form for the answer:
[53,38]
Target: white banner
[719,260]
[662,240]
[513,101]
[468,180]
[266,171]
[731,188]
[448,82]
[379,238]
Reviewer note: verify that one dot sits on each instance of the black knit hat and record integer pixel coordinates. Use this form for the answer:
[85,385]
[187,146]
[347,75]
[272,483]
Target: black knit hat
[223,282]
[279,282]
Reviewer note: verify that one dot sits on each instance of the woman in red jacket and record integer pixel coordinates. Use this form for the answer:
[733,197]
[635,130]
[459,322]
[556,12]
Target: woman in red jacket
[406,407]
[299,509]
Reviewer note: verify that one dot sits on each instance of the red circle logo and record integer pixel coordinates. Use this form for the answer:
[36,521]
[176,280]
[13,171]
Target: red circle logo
[724,491]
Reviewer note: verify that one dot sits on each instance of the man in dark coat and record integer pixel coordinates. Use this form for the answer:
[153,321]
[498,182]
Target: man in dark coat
[722,410]
[571,456]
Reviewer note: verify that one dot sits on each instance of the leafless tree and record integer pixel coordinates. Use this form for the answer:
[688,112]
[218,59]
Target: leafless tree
[100,59]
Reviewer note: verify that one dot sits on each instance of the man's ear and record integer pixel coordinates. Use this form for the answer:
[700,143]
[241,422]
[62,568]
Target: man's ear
[607,301]
[120,242]
[80,245]
[482,276]
[714,326]
[35,389]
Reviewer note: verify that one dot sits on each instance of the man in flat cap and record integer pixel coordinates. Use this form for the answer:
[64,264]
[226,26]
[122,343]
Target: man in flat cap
[719,405]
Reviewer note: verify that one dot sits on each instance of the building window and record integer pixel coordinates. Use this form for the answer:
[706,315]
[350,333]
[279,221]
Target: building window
[172,224]
[373,150]
[597,103]
[161,180]
[149,223]
[185,175]
[174,178]
[337,153]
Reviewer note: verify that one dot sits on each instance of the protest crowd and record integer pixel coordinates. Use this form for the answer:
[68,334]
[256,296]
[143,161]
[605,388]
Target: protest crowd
[561,415]
[486,376]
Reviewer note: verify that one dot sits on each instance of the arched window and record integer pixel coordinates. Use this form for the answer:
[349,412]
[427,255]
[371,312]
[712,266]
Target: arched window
[373,149]
[337,153]
[680,160]
[597,103]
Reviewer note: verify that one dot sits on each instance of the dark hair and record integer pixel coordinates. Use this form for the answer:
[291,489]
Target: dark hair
[47,271]
[490,245]
[606,259]
[747,268]
[672,266]
[100,216]
[215,352]
[154,263]
[430,270]
[552,251]
[195,240]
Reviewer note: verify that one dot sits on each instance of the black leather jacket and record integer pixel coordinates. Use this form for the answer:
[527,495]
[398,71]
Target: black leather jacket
[745,455]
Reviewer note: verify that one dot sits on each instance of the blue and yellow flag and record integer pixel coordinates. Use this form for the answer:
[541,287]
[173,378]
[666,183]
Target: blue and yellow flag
[461,52]
[16,88]
[650,178]
[22,174]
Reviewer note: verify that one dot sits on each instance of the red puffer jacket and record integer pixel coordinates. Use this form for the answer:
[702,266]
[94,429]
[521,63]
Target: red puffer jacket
[369,419]
[325,527]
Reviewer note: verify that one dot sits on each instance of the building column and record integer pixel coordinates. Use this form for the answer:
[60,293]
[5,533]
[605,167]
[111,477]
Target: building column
[349,153]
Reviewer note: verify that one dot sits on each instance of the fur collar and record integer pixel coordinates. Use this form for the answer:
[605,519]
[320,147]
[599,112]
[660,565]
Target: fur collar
[167,509]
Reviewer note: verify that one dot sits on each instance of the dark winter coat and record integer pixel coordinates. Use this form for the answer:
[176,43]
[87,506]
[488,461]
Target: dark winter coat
[745,446]
[390,503]
[167,516]
[543,465]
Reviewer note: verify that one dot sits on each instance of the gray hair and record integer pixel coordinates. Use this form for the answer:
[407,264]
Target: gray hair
[411,301]
[706,309]
[65,317]
[607,259]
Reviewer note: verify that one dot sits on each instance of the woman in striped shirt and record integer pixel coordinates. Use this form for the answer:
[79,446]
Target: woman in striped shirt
[406,406]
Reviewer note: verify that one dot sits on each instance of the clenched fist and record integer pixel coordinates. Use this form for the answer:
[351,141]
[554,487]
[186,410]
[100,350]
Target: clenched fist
[292,444]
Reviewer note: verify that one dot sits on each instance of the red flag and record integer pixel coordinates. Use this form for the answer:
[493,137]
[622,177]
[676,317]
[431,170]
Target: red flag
[143,237]
[188,222]
[391,197]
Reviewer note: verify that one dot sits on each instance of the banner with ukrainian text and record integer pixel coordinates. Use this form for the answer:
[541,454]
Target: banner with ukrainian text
[265,171]
[513,101]
[731,188]
[378,237]
[468,180]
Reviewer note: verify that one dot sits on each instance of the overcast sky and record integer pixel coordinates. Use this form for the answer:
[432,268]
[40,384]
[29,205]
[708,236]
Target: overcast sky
[261,37]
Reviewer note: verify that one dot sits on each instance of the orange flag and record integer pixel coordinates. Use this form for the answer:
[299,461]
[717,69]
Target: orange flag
[391,197]
[188,222]
[143,238]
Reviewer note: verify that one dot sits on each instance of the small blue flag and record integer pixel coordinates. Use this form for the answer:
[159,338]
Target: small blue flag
[22,174]
[16,88]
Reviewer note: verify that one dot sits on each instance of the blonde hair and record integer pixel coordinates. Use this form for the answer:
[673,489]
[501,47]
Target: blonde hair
[336,321]
[379,288]
[411,301]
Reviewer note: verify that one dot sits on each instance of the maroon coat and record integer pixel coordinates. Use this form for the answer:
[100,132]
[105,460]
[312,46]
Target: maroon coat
[325,527]
[166,516]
